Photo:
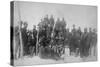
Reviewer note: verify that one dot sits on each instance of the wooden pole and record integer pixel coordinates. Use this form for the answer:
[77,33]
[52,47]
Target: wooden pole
[37,43]
[20,34]
[52,34]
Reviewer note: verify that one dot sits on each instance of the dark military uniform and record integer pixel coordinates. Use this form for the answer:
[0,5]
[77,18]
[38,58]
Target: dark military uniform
[73,41]
[24,40]
[34,40]
[84,46]
[78,41]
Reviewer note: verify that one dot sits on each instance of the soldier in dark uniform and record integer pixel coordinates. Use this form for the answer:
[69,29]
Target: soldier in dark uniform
[84,46]
[24,38]
[90,40]
[73,41]
[43,37]
[34,39]
[30,43]
[78,36]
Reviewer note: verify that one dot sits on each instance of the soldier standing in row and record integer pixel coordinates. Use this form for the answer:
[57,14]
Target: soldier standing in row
[24,38]
[73,42]
[78,37]
[94,40]
[34,39]
[90,40]
[84,46]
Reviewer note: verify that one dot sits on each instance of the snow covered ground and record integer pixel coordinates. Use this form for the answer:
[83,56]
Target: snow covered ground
[27,61]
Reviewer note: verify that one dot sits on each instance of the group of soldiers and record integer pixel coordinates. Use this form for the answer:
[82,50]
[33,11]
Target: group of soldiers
[29,40]
[52,39]
[78,42]
[81,43]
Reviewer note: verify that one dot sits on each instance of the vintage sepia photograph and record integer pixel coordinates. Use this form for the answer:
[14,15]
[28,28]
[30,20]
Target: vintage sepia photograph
[52,33]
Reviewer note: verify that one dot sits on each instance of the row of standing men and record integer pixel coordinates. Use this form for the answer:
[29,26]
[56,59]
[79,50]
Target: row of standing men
[78,42]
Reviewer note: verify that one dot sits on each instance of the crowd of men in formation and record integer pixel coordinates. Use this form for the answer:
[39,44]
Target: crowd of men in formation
[77,41]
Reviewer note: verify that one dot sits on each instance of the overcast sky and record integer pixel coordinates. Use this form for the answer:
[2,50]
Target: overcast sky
[32,12]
